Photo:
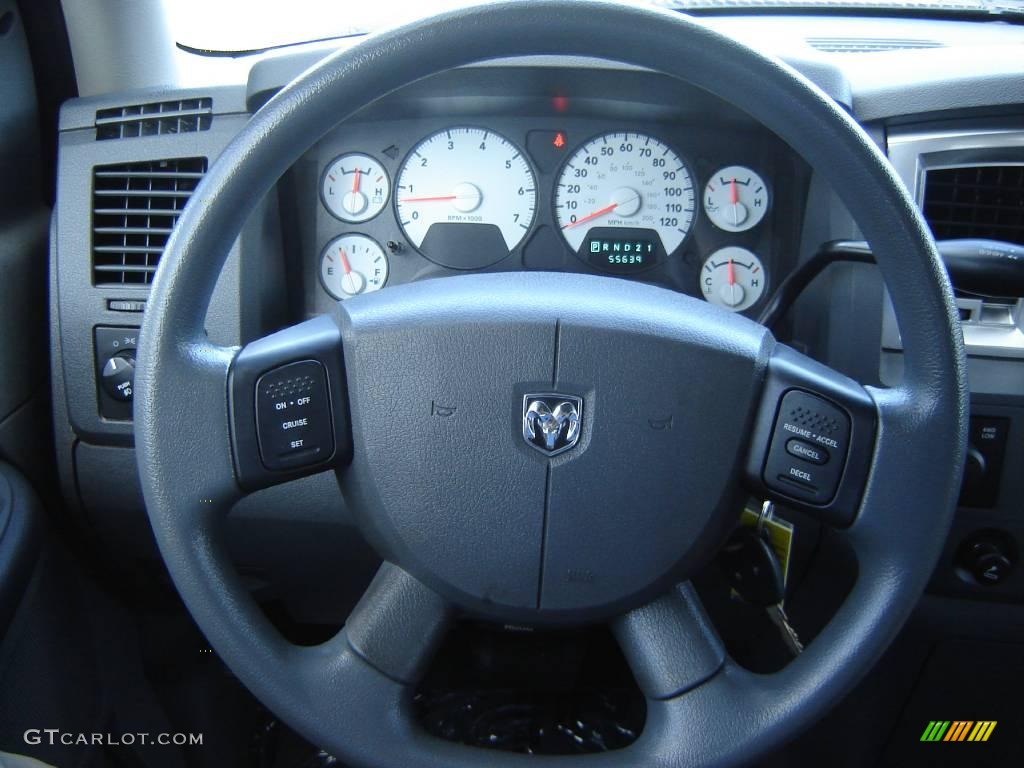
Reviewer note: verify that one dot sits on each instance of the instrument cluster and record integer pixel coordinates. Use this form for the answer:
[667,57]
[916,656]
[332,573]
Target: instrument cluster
[688,207]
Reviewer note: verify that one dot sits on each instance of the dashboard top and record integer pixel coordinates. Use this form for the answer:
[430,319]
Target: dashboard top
[877,67]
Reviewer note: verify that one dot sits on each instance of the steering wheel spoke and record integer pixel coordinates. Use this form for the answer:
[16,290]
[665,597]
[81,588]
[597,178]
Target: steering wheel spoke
[382,652]
[670,644]
[813,438]
[689,681]
[398,624]
[287,405]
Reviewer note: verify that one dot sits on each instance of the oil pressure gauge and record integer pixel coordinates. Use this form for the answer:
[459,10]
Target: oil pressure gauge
[355,188]
[733,277]
[735,198]
[353,264]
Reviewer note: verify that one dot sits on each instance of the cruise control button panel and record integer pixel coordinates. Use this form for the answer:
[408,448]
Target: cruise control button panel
[808,448]
[293,416]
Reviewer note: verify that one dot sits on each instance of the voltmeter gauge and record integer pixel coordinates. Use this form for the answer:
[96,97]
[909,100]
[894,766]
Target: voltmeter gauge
[733,277]
[351,265]
[735,198]
[355,188]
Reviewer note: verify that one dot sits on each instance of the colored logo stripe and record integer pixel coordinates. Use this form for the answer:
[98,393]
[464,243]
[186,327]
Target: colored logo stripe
[935,730]
[982,730]
[958,730]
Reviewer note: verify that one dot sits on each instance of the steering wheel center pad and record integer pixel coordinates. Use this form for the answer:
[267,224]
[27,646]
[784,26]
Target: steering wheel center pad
[439,376]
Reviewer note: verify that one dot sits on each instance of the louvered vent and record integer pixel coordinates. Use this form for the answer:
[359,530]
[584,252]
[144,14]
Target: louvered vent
[183,116]
[869,44]
[134,208]
[976,201]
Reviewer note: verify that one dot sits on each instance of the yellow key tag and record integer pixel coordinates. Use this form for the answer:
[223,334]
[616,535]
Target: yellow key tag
[780,536]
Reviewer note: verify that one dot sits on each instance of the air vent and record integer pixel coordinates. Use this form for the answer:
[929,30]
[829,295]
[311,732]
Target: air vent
[869,44]
[976,201]
[161,117]
[134,208]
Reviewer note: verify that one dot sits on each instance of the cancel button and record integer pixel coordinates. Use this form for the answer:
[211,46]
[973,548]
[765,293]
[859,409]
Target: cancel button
[807,451]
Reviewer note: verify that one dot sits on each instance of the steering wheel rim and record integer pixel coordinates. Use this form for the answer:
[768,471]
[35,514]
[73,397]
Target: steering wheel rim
[352,694]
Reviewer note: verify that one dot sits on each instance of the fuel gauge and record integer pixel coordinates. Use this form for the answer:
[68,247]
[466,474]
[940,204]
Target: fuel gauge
[353,264]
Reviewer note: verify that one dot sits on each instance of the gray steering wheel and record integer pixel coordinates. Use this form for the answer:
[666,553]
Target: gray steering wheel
[468,516]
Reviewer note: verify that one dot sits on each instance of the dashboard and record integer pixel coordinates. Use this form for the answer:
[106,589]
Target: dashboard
[502,144]
[563,178]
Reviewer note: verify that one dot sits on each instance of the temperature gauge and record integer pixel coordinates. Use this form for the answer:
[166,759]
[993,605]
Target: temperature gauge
[355,188]
[733,278]
[353,264]
[735,199]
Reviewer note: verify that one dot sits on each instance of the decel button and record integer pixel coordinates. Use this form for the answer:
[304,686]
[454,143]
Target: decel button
[293,416]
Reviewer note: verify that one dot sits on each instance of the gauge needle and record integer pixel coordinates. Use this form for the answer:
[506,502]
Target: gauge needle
[734,195]
[591,216]
[352,282]
[732,273]
[355,181]
[429,199]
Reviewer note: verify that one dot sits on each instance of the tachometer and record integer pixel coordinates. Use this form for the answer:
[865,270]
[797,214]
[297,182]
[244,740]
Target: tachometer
[465,197]
[624,181]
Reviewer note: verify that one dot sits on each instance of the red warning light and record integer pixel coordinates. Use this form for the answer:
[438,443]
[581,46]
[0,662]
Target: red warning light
[559,141]
[559,103]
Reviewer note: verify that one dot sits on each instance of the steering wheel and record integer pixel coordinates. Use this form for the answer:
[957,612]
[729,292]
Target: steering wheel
[419,398]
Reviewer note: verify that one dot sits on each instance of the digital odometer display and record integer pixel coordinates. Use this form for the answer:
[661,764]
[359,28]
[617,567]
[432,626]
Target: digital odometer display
[621,254]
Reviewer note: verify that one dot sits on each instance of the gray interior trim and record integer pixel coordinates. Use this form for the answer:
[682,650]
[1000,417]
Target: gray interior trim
[80,113]
[913,151]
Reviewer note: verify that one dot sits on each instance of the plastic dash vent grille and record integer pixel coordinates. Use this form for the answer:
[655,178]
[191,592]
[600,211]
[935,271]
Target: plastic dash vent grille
[134,208]
[869,44]
[161,117]
[976,201]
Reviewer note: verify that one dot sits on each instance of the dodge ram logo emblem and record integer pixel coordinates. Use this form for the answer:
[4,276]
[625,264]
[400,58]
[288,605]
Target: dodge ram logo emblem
[551,422]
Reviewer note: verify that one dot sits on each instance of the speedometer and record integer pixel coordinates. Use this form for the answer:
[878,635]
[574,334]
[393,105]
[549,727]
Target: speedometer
[624,190]
[466,197]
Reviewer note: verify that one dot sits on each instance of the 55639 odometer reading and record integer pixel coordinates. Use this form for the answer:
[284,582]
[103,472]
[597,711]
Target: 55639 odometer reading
[625,180]
[621,254]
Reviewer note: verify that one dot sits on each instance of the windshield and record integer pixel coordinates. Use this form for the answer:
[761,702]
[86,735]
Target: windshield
[255,25]
[215,27]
